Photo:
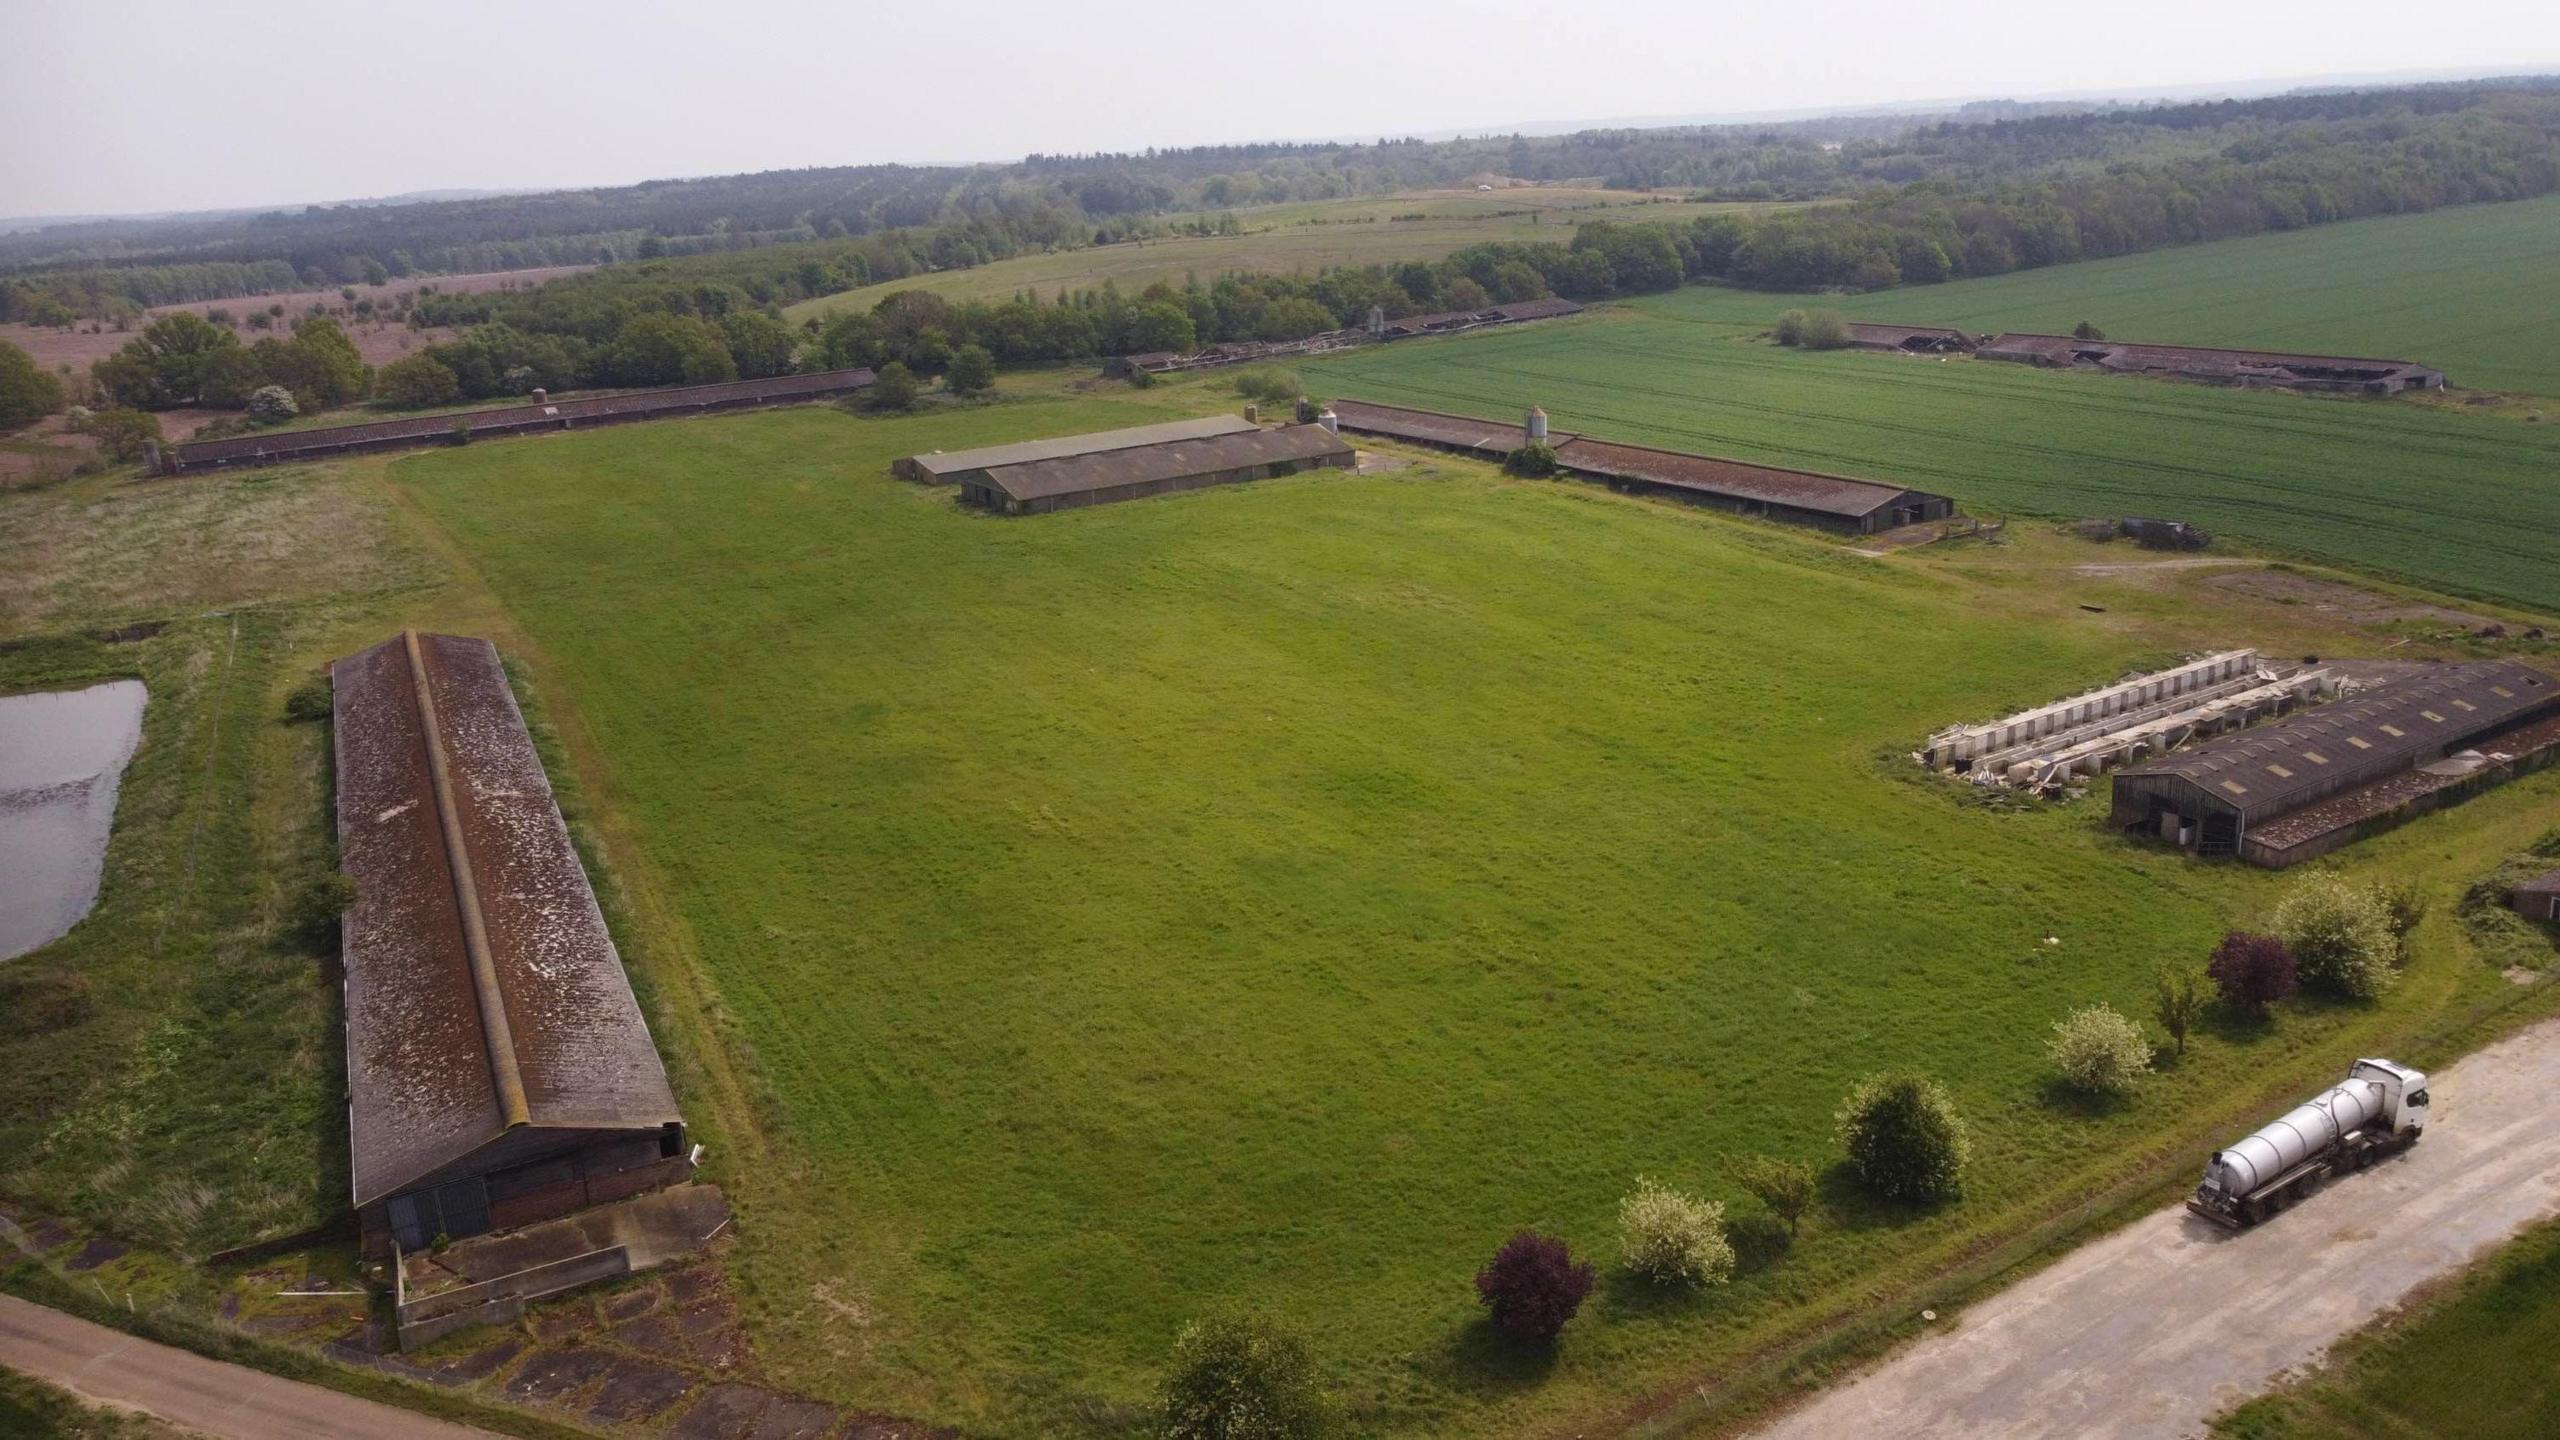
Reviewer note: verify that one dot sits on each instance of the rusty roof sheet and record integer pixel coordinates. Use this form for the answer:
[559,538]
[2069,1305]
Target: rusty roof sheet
[1433,427]
[1060,447]
[285,444]
[1763,484]
[1170,460]
[1878,333]
[2404,722]
[427,1083]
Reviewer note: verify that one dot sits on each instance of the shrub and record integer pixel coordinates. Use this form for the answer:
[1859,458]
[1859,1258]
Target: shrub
[2086,331]
[272,405]
[124,433]
[1238,1378]
[973,371]
[1904,1137]
[1825,330]
[461,432]
[313,919]
[309,700]
[417,383]
[2179,993]
[2099,1050]
[1673,1239]
[2252,972]
[1790,329]
[1785,1186]
[1532,1285]
[1537,459]
[1269,384]
[2406,905]
[893,388]
[2339,931]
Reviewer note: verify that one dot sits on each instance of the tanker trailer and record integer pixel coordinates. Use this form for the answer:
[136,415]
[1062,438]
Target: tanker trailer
[2378,1110]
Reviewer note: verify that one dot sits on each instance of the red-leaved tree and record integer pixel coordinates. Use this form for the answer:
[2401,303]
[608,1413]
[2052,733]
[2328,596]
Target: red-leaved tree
[1533,1285]
[2251,972]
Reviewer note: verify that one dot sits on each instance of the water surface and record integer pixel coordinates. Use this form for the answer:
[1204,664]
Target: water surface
[61,754]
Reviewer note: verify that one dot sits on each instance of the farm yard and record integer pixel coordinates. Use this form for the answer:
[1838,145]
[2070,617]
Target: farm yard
[1307,236]
[2450,500]
[2473,290]
[1274,895]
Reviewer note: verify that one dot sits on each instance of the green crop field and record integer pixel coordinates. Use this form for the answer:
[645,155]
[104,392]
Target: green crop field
[2474,1362]
[1273,896]
[1311,236]
[2456,501]
[2473,290]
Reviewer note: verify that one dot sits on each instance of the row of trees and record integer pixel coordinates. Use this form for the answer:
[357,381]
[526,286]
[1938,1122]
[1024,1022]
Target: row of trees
[183,359]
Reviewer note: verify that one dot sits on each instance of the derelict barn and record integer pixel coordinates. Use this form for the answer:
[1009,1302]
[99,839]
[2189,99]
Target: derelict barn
[1910,339]
[2285,792]
[1071,482]
[278,446]
[961,467]
[1802,497]
[2217,366]
[499,1071]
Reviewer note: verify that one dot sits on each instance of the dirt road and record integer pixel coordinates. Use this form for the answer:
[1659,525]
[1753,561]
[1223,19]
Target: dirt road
[107,1367]
[2154,1329]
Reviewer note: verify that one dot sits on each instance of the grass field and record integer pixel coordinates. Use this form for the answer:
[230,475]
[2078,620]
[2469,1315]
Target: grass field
[2474,1362]
[33,1410]
[1311,236]
[1273,896]
[2473,290]
[2455,501]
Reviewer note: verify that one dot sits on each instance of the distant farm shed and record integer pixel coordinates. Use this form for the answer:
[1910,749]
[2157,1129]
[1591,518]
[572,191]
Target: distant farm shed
[2217,366]
[956,467]
[1910,339]
[499,1070]
[1034,487]
[2279,794]
[278,446]
[1803,497]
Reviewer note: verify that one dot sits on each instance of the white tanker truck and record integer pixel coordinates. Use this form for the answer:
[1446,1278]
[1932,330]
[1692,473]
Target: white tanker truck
[2378,1110]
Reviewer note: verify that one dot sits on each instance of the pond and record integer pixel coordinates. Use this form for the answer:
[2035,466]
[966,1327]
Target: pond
[61,755]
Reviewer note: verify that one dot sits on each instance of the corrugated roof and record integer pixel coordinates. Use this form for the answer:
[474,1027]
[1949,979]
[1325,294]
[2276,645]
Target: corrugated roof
[2547,884]
[1171,460]
[2400,723]
[446,1053]
[285,444]
[1877,333]
[1763,484]
[954,462]
[1434,427]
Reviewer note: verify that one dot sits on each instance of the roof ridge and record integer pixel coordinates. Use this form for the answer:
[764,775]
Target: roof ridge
[491,1001]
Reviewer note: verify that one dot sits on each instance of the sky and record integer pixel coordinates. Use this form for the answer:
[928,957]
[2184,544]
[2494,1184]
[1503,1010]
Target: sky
[119,106]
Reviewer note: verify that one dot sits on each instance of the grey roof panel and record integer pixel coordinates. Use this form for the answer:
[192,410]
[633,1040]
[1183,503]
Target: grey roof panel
[1169,460]
[1060,447]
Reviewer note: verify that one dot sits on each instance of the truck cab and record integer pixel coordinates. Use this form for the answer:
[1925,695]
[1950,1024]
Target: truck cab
[2404,1093]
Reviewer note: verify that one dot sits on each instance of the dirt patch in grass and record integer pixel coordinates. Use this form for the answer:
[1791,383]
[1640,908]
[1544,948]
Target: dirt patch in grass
[2355,605]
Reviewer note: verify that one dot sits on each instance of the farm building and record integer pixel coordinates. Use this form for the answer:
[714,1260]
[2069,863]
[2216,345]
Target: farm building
[1379,329]
[1452,321]
[1485,439]
[279,446]
[2283,793]
[1033,487]
[1831,502]
[499,1071]
[1910,339]
[1800,497]
[2053,746]
[958,467]
[2538,898]
[2221,367]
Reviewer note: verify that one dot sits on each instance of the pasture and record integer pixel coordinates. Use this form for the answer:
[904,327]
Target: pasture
[1309,236]
[2473,290]
[1273,896]
[2453,501]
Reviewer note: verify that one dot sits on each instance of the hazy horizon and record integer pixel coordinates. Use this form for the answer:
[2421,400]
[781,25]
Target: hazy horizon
[580,96]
